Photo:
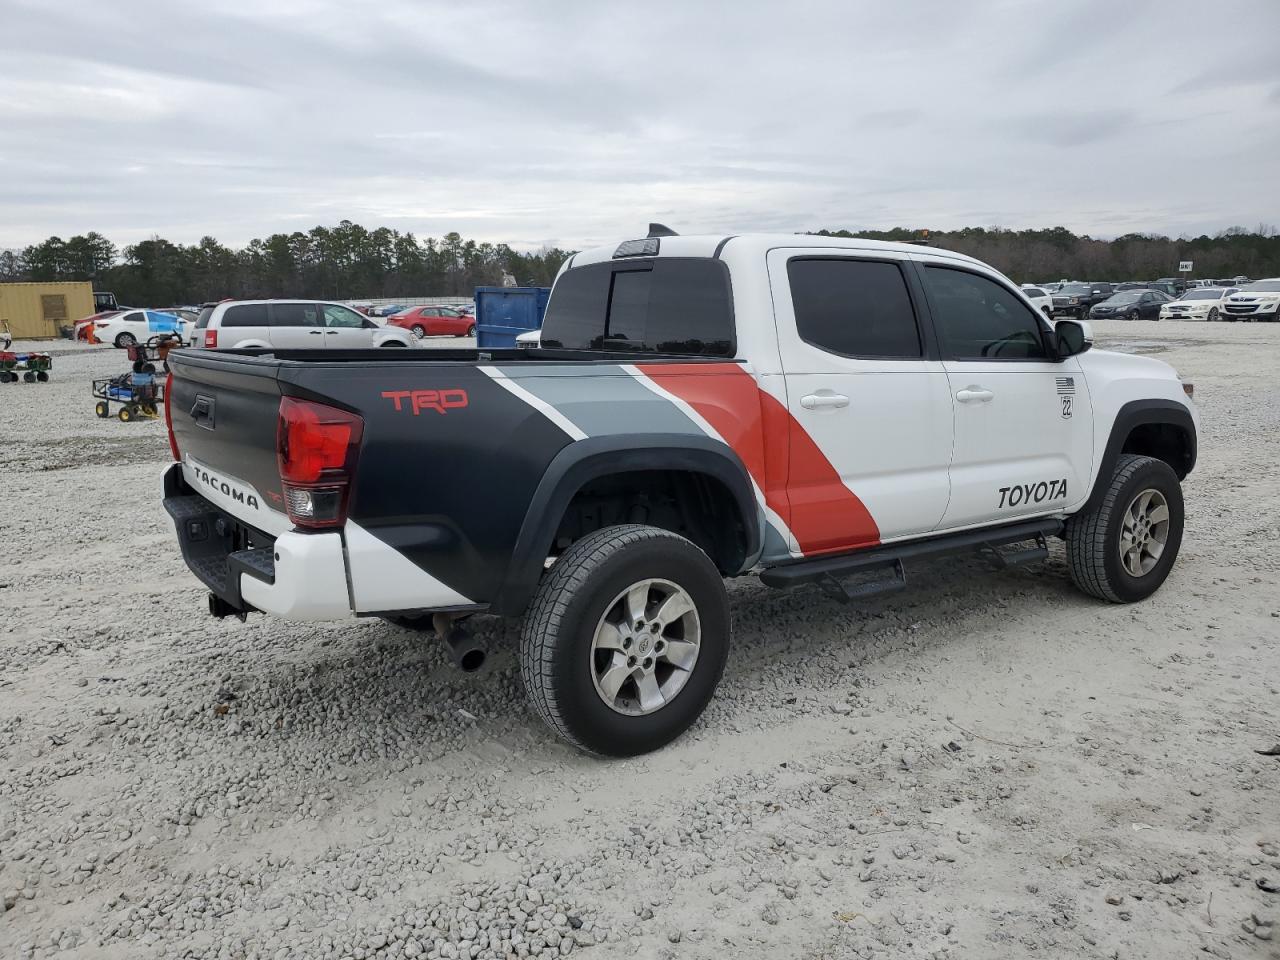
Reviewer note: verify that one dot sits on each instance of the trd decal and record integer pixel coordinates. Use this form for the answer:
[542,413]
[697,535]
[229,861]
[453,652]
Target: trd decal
[441,401]
[1032,493]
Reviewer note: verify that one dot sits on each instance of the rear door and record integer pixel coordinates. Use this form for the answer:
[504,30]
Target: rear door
[1023,421]
[870,413]
[344,329]
[297,326]
[245,323]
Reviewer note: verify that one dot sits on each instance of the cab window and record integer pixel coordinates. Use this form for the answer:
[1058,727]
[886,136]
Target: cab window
[979,319]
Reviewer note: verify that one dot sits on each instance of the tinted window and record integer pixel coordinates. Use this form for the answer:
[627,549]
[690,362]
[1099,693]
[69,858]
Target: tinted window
[978,319]
[1033,291]
[858,308]
[336,316]
[664,305]
[202,321]
[1075,289]
[246,315]
[295,315]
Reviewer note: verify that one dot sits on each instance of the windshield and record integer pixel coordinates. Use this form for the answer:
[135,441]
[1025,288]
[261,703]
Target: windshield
[1264,285]
[1129,296]
[1204,293]
[1075,289]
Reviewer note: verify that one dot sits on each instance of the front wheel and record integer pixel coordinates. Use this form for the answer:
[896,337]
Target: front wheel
[1123,548]
[471,331]
[125,340]
[1213,314]
[625,640]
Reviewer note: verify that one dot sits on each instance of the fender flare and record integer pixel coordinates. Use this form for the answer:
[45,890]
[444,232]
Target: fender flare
[1137,413]
[577,464]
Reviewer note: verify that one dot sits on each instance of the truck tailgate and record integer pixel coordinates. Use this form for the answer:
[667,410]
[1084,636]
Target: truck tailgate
[224,411]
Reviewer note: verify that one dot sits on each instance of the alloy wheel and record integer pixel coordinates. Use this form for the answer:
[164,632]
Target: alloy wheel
[645,647]
[1144,532]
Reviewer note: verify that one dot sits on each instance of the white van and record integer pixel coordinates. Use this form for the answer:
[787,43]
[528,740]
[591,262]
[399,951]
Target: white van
[291,325]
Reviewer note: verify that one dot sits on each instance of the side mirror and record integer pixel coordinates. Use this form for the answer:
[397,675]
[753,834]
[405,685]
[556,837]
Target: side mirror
[1072,337]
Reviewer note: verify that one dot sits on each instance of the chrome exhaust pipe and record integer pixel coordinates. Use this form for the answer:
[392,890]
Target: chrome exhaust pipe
[468,653]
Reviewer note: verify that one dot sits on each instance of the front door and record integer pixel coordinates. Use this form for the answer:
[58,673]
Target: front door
[869,427]
[345,329]
[1023,420]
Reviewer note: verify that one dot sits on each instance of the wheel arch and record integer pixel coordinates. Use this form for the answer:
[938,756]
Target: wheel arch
[1163,429]
[580,465]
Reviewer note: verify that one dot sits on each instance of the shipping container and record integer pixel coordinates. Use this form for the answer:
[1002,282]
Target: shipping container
[37,311]
[503,313]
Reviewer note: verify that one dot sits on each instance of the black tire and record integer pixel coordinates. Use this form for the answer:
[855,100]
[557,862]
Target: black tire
[1133,315]
[1213,314]
[42,376]
[556,642]
[29,377]
[126,414]
[1093,536]
[471,330]
[125,340]
[101,409]
[393,343]
[418,330]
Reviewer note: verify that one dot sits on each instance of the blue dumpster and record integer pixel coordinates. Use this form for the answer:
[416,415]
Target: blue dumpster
[503,313]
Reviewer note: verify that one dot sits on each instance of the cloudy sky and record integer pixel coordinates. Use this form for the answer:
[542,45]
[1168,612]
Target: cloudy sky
[576,122]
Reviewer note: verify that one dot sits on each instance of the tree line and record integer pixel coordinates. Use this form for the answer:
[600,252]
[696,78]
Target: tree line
[350,262]
[1042,256]
[325,263]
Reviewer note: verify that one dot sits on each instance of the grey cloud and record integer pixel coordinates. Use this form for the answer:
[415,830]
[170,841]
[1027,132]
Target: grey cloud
[510,122]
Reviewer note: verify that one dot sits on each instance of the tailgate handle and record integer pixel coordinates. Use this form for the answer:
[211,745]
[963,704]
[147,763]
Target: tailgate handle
[202,412]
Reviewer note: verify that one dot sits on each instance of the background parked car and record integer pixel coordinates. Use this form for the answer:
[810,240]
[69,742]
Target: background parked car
[292,325]
[386,310]
[1254,301]
[1040,299]
[1199,303]
[1130,305]
[434,321]
[128,327]
[1074,299]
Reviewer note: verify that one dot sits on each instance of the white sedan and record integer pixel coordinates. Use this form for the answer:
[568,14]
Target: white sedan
[1040,299]
[138,326]
[1198,303]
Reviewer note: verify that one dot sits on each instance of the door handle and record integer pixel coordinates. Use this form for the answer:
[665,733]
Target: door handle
[315,333]
[819,401]
[974,395]
[327,332]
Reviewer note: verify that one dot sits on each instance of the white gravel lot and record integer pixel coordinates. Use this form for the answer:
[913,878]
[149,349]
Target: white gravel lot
[986,765]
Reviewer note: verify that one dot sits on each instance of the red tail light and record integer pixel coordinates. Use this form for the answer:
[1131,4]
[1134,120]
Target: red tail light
[316,449]
[210,339]
[168,416]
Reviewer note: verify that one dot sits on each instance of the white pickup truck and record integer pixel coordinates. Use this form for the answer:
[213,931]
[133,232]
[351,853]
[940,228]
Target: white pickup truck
[805,409]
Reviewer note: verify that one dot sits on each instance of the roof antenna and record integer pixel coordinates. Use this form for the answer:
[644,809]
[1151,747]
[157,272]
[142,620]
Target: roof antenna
[661,230]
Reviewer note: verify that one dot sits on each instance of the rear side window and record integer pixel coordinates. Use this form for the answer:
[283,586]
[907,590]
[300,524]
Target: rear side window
[245,315]
[856,308]
[669,305]
[295,315]
[978,319]
[202,321]
[1033,292]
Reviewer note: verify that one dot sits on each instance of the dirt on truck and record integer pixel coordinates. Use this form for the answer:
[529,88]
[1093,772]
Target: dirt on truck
[802,409]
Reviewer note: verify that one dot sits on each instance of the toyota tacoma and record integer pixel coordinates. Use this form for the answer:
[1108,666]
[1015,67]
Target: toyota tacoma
[803,409]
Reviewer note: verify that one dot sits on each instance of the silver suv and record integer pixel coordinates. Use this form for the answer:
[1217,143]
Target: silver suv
[291,325]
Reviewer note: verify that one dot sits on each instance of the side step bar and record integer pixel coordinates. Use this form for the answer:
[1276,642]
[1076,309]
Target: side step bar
[887,560]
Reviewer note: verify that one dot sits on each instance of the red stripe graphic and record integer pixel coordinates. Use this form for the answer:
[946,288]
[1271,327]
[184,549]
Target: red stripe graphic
[799,483]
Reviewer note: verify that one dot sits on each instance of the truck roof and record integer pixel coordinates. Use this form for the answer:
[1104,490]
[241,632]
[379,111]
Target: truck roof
[712,245]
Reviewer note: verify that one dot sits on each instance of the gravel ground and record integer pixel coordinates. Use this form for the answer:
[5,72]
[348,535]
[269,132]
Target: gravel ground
[987,765]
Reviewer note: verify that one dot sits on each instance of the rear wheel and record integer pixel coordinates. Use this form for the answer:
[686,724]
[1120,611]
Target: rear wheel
[419,331]
[126,413]
[42,376]
[626,640]
[125,340]
[1123,548]
[393,343]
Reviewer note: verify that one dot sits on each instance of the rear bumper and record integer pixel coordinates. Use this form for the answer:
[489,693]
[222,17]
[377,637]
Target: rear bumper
[298,576]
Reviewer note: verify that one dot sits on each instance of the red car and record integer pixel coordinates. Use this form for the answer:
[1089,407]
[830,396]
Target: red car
[434,322]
